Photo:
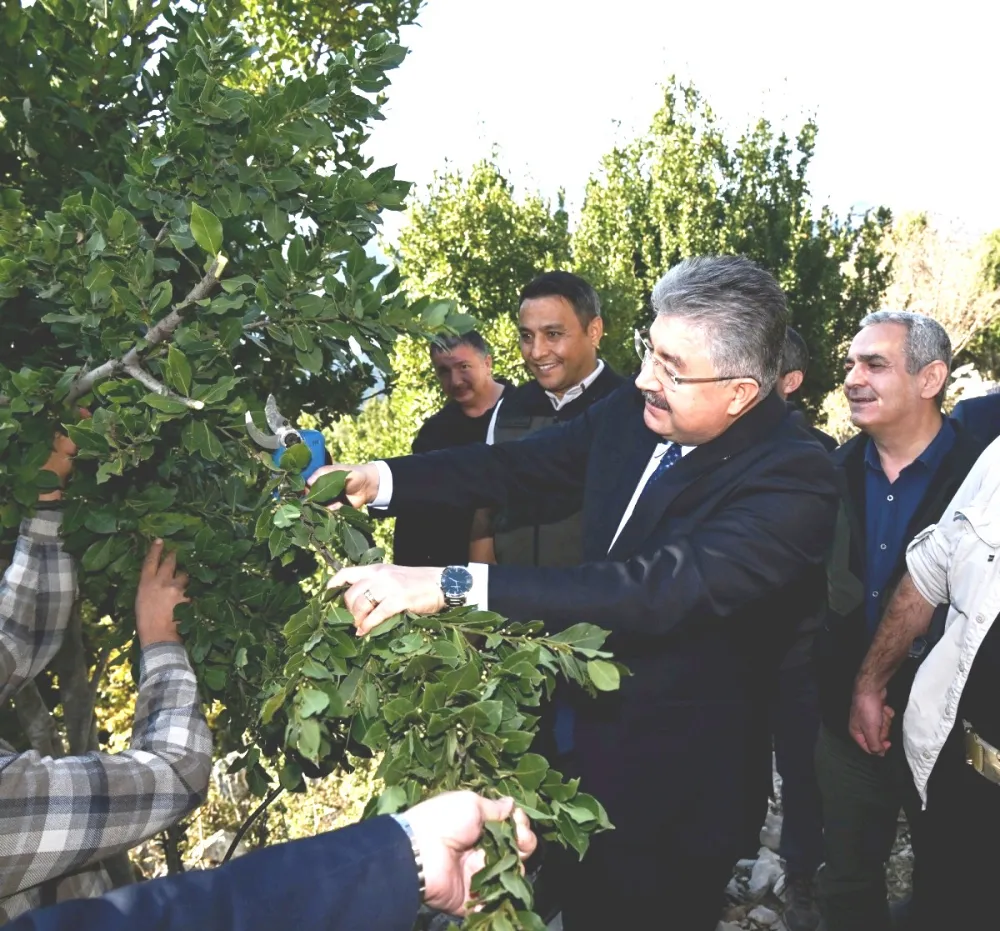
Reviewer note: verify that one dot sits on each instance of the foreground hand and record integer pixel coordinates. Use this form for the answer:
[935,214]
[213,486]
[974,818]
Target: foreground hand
[161,589]
[378,592]
[446,829]
[870,721]
[361,485]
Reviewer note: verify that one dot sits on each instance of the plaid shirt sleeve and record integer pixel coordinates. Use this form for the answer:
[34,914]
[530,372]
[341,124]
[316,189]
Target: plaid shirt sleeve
[36,598]
[58,816]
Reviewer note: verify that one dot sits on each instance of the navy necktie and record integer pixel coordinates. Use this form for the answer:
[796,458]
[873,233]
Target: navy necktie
[671,456]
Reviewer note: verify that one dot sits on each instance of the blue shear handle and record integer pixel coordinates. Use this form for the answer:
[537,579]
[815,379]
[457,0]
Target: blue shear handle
[314,440]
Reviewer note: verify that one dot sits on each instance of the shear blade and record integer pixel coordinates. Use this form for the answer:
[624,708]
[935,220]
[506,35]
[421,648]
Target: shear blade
[260,438]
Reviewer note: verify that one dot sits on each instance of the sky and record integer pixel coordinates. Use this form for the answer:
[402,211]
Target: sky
[905,94]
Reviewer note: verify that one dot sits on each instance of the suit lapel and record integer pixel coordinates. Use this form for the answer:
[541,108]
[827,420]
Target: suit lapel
[623,475]
[658,496]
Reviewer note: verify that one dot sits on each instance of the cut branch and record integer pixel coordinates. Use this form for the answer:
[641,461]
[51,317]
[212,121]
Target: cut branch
[144,378]
[159,333]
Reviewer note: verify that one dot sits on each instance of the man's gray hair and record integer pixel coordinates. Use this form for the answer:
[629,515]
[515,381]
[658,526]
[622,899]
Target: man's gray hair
[926,340]
[738,306]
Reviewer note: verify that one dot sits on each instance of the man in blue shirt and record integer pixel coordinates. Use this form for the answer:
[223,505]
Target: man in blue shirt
[896,477]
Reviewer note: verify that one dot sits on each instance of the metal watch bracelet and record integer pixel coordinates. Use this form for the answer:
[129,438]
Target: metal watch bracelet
[402,821]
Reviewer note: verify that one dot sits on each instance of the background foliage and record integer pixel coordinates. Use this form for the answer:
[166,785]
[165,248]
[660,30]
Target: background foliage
[184,219]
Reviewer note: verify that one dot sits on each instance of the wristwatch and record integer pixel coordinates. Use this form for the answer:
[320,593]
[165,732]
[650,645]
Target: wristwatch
[456,583]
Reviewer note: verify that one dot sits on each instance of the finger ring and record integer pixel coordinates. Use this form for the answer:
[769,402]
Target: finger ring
[371,597]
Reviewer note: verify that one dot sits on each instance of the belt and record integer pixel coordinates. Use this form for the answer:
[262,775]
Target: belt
[983,757]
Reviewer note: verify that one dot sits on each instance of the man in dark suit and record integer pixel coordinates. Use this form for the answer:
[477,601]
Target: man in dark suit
[706,518]
[895,477]
[371,876]
[980,416]
[794,365]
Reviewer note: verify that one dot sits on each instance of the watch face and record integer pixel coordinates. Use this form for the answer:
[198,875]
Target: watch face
[455,581]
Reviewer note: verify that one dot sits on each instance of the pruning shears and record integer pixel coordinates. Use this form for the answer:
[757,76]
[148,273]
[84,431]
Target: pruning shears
[284,436]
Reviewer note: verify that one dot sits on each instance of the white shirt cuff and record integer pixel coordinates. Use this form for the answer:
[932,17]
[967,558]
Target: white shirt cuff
[478,596]
[384,495]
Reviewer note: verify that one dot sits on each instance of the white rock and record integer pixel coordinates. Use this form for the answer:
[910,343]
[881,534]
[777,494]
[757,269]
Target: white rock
[734,890]
[779,887]
[763,916]
[745,864]
[214,847]
[770,833]
[765,873]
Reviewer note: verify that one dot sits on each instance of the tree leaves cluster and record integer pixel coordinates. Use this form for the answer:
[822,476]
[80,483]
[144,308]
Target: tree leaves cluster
[184,228]
[684,189]
[449,701]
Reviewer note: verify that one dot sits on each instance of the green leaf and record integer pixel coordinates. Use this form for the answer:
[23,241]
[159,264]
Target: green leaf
[327,487]
[531,770]
[295,458]
[603,674]
[286,515]
[98,555]
[587,636]
[163,403]
[309,739]
[275,222]
[206,229]
[178,370]
[161,296]
[101,522]
[312,701]
[391,800]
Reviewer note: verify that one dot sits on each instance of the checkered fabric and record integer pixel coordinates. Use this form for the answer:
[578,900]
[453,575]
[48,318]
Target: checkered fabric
[59,817]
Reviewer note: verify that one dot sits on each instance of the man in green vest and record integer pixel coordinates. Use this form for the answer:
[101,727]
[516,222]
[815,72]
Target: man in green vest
[560,330]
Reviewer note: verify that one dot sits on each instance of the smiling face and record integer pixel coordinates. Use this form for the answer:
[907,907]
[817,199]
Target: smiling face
[879,389]
[689,414]
[557,348]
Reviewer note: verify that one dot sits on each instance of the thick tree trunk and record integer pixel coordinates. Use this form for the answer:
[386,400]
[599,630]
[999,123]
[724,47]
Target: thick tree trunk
[75,688]
[36,721]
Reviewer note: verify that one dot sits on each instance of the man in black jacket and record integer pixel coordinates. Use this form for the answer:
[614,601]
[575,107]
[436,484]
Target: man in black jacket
[560,329]
[706,516]
[432,536]
[896,478]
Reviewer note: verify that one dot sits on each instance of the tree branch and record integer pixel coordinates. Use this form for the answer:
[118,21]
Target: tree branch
[144,378]
[257,812]
[36,721]
[159,333]
[70,665]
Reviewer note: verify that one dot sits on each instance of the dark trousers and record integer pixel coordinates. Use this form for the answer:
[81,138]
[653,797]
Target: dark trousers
[795,727]
[958,869]
[628,885]
[862,796]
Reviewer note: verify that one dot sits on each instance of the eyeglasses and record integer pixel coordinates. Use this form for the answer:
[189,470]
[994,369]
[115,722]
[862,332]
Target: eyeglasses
[669,378]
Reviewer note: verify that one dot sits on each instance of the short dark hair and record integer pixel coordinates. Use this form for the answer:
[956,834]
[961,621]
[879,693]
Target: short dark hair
[795,355]
[471,338]
[580,294]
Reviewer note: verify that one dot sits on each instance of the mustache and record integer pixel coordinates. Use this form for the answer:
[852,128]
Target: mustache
[655,400]
[860,396]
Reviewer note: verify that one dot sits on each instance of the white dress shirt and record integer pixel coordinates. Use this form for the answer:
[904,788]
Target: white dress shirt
[557,403]
[956,560]
[479,594]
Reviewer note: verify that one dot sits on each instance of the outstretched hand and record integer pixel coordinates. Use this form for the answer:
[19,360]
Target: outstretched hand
[161,589]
